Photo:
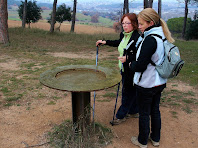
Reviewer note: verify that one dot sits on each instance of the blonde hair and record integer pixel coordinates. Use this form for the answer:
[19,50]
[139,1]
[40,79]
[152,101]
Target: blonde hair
[149,15]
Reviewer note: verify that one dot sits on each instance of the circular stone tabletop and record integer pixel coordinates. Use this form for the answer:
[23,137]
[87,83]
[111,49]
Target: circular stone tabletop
[80,78]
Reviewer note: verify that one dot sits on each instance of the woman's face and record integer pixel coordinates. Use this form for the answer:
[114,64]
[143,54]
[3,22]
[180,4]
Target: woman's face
[142,24]
[126,24]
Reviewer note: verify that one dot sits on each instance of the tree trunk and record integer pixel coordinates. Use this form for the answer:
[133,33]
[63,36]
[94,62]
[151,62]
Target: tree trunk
[126,7]
[24,14]
[150,3]
[121,13]
[53,16]
[146,4]
[160,8]
[185,18]
[73,16]
[4,37]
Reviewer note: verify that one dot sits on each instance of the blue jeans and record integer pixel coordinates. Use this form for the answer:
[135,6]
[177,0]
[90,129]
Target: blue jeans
[148,101]
[129,101]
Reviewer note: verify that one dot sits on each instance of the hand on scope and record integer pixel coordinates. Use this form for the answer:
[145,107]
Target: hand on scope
[122,59]
[100,42]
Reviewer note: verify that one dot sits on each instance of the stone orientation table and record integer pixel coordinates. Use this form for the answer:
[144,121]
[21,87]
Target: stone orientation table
[80,80]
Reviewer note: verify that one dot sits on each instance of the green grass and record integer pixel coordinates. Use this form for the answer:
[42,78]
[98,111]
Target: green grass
[183,100]
[110,95]
[188,101]
[65,135]
[45,14]
[30,48]
[5,90]
[51,103]
[13,15]
[174,114]
[187,109]
[12,99]
[189,53]
[103,100]
[83,18]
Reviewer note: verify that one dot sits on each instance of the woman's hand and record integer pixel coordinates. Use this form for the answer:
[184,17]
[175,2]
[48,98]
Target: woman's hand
[122,59]
[99,42]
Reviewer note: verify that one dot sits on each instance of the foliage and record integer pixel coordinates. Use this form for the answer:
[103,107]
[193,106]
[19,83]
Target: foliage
[62,14]
[66,135]
[176,24]
[94,18]
[33,12]
[194,2]
[192,30]
[117,27]
[196,15]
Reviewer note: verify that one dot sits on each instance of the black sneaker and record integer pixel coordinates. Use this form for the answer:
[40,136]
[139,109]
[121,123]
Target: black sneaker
[132,115]
[118,121]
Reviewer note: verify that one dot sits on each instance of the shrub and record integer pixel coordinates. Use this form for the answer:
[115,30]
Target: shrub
[192,30]
[117,27]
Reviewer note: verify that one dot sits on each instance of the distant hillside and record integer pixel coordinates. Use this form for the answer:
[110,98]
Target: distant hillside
[13,2]
[112,10]
[18,2]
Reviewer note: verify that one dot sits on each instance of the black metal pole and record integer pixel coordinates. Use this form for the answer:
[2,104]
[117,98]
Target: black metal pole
[81,109]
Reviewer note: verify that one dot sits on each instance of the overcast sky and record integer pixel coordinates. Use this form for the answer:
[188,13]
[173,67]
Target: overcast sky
[81,1]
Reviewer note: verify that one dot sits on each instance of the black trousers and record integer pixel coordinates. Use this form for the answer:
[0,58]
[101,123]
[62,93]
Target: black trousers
[129,101]
[148,101]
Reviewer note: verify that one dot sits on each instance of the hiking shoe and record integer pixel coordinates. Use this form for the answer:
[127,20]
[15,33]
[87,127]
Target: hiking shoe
[118,121]
[153,142]
[132,116]
[135,141]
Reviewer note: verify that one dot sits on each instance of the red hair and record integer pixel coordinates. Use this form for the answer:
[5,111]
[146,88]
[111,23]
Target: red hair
[133,18]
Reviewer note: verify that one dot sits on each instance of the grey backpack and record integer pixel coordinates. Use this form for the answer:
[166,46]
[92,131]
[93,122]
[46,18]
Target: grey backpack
[172,63]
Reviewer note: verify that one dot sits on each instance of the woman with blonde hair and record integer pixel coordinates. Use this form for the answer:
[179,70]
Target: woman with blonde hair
[148,82]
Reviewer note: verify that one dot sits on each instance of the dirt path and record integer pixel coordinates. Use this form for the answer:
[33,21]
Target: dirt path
[17,125]
[29,123]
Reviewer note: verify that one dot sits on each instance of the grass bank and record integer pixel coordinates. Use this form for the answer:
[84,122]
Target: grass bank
[28,56]
[40,42]
[189,53]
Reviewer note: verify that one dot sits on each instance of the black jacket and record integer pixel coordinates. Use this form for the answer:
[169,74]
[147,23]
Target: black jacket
[130,53]
[148,48]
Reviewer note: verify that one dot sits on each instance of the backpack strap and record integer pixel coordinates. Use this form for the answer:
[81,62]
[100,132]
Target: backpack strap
[152,63]
[159,36]
[140,77]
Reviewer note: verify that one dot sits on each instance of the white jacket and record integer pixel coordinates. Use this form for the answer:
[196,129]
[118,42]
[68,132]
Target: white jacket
[150,77]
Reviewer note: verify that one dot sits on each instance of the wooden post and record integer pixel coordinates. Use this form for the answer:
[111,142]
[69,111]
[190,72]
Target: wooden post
[4,37]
